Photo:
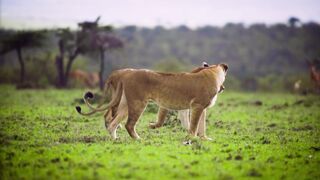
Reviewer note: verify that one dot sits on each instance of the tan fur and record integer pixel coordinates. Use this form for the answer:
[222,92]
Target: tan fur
[184,117]
[179,91]
[87,79]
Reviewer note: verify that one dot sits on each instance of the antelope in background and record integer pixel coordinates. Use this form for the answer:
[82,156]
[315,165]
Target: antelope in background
[314,73]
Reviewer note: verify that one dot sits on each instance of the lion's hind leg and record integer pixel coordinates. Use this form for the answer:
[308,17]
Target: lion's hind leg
[135,110]
[121,113]
[161,118]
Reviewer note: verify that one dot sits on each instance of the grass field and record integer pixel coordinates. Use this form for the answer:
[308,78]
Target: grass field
[255,135]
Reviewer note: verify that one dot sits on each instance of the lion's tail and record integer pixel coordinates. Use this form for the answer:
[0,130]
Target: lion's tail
[89,95]
[99,108]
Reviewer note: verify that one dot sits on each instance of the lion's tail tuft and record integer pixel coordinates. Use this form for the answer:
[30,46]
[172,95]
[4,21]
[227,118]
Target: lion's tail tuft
[88,95]
[78,108]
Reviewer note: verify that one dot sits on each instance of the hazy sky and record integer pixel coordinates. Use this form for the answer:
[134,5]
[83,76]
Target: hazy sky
[194,13]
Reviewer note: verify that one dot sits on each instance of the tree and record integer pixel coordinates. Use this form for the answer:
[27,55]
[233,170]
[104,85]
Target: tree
[293,21]
[98,39]
[67,43]
[90,38]
[105,42]
[17,41]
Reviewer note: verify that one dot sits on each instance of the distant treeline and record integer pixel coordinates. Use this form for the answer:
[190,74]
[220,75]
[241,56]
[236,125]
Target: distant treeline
[260,57]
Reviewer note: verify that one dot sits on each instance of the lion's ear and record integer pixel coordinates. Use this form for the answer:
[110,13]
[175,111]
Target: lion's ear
[204,64]
[224,66]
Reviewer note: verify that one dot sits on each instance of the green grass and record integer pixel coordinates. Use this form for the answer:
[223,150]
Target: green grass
[255,135]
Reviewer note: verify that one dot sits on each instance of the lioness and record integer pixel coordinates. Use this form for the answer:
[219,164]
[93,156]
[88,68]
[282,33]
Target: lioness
[195,91]
[87,79]
[183,115]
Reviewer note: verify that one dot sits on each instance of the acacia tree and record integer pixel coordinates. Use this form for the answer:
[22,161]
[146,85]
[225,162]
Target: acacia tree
[98,39]
[17,41]
[90,38]
[105,42]
[293,21]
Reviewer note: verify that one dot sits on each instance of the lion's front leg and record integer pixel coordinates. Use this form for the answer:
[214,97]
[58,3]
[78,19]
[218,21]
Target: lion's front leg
[202,126]
[162,113]
[196,111]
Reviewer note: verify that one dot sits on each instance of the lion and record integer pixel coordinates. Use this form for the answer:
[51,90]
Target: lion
[195,91]
[87,79]
[183,115]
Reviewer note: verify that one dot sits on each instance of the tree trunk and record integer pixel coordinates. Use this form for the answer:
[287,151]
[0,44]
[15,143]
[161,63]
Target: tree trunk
[60,71]
[71,58]
[60,65]
[101,68]
[22,67]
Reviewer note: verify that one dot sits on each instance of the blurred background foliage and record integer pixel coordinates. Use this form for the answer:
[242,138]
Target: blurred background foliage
[260,57]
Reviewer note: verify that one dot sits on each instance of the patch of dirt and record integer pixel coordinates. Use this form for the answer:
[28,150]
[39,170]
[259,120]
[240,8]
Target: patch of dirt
[238,157]
[226,150]
[195,162]
[55,160]
[289,156]
[298,102]
[193,174]
[265,140]
[253,103]
[95,165]
[254,173]
[302,128]
[84,139]
[306,103]
[279,106]
[272,125]
[257,103]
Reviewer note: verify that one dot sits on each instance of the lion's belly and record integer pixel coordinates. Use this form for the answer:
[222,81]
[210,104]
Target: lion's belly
[173,104]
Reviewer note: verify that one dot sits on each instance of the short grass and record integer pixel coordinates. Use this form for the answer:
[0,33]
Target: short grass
[255,135]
